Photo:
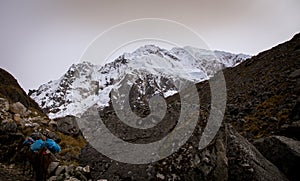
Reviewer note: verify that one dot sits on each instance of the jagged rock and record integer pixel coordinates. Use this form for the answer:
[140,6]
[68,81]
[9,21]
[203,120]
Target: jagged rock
[68,125]
[86,169]
[18,108]
[52,167]
[283,152]
[4,105]
[246,162]
[291,130]
[80,176]
[60,170]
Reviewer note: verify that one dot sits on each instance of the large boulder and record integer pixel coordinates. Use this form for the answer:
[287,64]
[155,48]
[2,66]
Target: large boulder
[18,108]
[68,125]
[283,152]
[245,162]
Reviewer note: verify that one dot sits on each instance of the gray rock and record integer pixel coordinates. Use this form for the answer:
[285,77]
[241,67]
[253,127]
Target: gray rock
[52,167]
[68,125]
[283,152]
[246,162]
[18,108]
[60,170]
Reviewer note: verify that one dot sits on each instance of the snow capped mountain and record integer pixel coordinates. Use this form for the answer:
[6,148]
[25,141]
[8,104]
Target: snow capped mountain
[150,70]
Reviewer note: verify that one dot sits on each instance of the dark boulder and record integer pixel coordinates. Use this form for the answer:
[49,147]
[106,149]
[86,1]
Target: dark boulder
[245,162]
[68,125]
[291,130]
[283,152]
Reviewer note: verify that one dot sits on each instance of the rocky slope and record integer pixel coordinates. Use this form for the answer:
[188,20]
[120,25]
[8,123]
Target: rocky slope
[262,101]
[11,90]
[153,70]
[18,121]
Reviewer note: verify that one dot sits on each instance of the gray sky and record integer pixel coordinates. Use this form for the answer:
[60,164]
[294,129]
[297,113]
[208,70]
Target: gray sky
[41,39]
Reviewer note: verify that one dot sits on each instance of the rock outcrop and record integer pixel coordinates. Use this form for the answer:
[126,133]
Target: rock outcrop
[283,152]
[67,125]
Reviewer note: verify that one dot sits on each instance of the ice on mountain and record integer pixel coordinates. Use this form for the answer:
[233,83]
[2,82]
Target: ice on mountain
[85,84]
[169,93]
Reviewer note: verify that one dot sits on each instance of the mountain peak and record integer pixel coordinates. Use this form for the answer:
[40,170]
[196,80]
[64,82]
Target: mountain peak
[157,70]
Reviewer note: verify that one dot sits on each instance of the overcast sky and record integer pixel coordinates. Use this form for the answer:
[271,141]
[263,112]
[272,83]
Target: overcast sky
[40,39]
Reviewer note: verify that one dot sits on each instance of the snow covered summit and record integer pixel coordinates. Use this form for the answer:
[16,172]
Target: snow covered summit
[155,71]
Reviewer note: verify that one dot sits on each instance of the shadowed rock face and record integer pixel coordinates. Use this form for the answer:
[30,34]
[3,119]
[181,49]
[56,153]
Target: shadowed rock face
[247,163]
[283,152]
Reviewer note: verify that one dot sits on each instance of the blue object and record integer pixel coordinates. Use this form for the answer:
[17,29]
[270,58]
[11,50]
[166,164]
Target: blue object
[52,146]
[37,145]
[28,141]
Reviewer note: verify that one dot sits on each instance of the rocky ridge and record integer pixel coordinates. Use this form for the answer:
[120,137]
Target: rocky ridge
[153,71]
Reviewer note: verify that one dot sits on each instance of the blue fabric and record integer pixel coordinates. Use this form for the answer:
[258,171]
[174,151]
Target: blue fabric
[37,145]
[28,141]
[52,146]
